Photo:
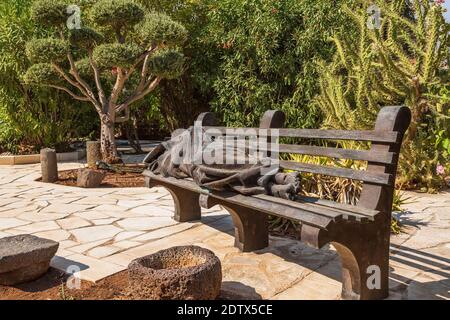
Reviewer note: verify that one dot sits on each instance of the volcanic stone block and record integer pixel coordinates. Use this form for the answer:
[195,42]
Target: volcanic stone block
[89,178]
[49,165]
[24,258]
[93,153]
[177,273]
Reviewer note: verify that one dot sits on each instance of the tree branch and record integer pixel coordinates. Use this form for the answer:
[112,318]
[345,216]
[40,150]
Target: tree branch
[68,79]
[139,94]
[144,70]
[120,37]
[123,75]
[117,89]
[74,72]
[69,92]
[145,56]
[98,83]
[77,85]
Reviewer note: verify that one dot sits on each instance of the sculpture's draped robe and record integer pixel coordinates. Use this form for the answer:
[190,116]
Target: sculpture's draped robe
[256,176]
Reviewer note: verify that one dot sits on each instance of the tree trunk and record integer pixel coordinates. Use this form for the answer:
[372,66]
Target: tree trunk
[108,143]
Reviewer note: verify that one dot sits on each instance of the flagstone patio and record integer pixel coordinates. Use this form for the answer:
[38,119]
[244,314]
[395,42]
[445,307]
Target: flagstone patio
[102,230]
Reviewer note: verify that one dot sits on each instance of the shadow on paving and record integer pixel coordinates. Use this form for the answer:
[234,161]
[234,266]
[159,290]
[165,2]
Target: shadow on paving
[423,285]
[424,262]
[405,219]
[53,278]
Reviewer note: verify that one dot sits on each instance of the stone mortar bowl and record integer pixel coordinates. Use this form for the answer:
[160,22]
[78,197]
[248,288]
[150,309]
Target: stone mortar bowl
[177,273]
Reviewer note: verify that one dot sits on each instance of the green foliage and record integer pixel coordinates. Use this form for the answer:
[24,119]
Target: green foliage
[36,117]
[47,50]
[7,132]
[398,203]
[400,200]
[50,12]
[117,14]
[246,56]
[63,295]
[117,54]
[159,29]
[440,95]
[182,100]
[111,50]
[107,61]
[42,74]
[267,52]
[167,64]
[402,63]
[84,68]
[85,38]
[421,156]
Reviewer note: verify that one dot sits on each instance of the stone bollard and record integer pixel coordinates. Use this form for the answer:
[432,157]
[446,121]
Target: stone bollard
[49,165]
[93,153]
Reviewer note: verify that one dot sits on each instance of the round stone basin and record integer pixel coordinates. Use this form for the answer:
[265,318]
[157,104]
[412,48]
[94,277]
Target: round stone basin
[177,273]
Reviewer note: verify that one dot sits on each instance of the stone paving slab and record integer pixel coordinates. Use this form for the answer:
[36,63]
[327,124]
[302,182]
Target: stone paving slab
[102,230]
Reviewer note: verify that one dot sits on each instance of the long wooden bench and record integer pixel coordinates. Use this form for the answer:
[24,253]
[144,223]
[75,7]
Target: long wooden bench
[359,233]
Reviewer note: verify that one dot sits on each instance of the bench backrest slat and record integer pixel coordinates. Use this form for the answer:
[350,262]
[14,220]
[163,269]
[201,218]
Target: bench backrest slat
[366,176]
[338,153]
[382,157]
[354,135]
[335,153]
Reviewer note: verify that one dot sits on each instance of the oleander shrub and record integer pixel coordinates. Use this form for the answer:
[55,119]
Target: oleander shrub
[268,53]
[247,56]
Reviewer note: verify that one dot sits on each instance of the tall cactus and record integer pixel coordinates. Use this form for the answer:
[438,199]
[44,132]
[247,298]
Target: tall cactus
[399,61]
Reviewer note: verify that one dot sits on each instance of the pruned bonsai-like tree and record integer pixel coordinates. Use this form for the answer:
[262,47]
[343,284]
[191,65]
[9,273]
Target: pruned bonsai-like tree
[115,57]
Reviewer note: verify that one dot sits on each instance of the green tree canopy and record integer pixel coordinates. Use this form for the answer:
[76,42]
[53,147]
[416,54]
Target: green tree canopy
[118,56]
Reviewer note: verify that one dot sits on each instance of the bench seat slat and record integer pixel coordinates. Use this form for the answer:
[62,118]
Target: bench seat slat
[318,214]
[335,213]
[281,210]
[366,176]
[356,135]
[342,206]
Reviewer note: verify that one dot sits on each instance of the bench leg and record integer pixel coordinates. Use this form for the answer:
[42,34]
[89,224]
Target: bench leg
[187,206]
[250,228]
[365,269]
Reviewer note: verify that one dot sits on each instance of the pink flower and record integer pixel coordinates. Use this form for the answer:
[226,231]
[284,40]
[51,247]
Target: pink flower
[440,2]
[440,170]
